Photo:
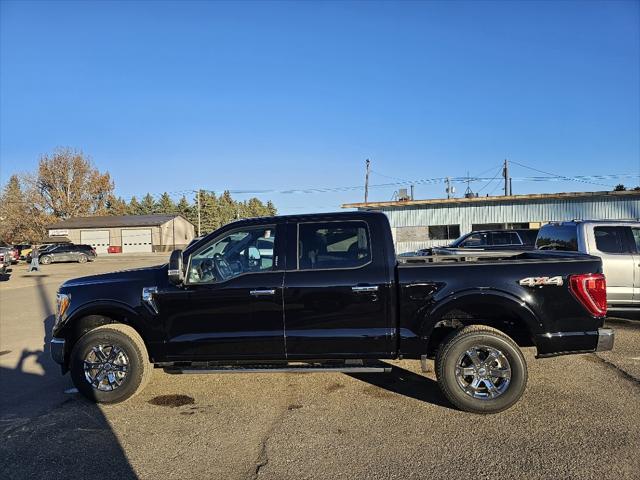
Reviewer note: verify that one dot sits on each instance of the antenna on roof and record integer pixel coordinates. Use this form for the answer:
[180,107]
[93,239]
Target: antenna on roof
[468,193]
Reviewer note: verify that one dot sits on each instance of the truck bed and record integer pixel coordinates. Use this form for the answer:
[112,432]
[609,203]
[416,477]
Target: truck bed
[494,286]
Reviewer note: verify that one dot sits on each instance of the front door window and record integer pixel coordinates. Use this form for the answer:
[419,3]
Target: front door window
[247,250]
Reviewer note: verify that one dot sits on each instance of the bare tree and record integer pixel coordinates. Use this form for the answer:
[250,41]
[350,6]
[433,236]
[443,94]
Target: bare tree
[69,185]
[20,219]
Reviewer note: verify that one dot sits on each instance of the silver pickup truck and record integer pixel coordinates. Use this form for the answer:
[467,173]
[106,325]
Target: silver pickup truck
[617,243]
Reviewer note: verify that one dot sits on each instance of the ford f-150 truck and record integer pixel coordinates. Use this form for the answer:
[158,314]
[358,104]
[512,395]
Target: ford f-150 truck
[325,292]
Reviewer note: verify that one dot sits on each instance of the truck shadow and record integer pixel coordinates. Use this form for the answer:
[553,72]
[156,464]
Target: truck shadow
[47,433]
[404,382]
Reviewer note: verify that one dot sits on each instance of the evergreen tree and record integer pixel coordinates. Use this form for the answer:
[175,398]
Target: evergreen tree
[165,205]
[134,207]
[185,209]
[147,205]
[116,206]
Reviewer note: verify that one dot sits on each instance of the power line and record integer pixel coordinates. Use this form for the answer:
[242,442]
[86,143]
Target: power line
[573,179]
[494,177]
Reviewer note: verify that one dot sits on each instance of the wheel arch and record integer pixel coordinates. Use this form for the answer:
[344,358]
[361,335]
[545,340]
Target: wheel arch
[94,315]
[493,308]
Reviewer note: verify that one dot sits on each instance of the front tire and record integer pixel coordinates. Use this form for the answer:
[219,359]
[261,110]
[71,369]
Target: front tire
[45,260]
[481,370]
[110,364]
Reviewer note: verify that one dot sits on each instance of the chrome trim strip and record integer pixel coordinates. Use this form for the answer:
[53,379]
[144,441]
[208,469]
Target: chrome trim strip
[364,289]
[258,293]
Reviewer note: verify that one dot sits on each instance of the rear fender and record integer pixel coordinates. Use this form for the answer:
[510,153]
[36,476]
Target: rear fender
[483,305]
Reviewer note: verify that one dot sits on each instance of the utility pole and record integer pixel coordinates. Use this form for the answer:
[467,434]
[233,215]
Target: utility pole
[448,187]
[505,174]
[198,202]
[366,183]
[411,192]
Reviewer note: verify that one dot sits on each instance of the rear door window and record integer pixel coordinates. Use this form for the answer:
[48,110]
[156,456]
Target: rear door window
[505,238]
[611,239]
[558,237]
[333,245]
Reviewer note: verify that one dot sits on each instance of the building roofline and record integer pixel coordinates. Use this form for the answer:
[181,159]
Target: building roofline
[495,199]
[115,221]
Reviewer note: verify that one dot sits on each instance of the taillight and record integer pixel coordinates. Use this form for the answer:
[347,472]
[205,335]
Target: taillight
[591,290]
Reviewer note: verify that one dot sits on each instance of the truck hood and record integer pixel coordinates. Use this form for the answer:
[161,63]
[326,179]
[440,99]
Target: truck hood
[148,275]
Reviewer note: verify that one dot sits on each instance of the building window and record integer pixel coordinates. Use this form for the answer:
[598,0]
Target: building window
[444,232]
[478,227]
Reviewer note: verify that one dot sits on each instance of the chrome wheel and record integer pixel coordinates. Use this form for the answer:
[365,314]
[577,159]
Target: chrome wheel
[106,367]
[483,372]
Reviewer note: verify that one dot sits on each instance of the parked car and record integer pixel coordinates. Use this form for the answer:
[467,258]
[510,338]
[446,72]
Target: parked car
[617,243]
[23,250]
[67,252]
[40,249]
[520,239]
[330,296]
[5,261]
[10,254]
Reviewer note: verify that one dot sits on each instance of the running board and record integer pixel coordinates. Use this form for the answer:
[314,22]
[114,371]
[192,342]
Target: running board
[299,368]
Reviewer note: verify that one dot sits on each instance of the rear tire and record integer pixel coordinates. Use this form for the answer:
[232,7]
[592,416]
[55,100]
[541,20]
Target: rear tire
[82,258]
[110,364]
[45,260]
[481,370]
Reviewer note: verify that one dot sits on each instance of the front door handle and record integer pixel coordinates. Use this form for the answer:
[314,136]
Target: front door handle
[259,293]
[365,289]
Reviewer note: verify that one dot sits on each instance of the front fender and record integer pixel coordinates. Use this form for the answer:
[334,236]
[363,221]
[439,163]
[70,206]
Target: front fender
[109,308]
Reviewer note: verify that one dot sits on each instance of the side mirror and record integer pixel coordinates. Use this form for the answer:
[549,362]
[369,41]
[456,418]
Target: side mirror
[176,268]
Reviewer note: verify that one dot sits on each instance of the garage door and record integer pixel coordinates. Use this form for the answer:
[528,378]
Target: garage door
[138,240]
[98,239]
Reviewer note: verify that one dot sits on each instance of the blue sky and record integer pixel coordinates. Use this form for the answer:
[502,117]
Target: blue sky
[172,96]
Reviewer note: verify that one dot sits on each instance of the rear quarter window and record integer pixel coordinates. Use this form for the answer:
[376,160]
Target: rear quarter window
[558,237]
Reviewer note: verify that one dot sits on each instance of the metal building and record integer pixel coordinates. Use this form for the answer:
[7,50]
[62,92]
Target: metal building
[127,233]
[425,223]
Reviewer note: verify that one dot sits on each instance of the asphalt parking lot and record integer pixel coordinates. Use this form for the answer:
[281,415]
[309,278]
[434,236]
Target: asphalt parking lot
[579,418]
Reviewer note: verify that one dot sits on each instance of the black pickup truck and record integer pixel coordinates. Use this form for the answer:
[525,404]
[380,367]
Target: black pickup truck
[325,292]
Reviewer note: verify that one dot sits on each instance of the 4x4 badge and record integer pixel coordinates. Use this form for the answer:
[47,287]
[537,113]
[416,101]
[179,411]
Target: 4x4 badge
[540,281]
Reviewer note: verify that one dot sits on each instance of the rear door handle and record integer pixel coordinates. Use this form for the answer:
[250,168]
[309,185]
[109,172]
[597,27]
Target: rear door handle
[259,293]
[365,289]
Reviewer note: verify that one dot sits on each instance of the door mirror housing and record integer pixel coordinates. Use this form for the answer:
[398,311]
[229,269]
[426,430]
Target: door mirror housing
[176,268]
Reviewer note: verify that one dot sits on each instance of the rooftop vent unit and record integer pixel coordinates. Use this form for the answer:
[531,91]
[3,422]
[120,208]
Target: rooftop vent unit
[403,195]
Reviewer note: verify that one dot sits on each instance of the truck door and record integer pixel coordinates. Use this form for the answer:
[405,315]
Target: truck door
[231,304]
[337,296]
[618,262]
[635,231]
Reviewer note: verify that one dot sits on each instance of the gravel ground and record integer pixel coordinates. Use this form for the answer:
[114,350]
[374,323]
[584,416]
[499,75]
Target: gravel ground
[579,417]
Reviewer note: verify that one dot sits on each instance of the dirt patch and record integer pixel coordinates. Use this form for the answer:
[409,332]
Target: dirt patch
[294,406]
[4,352]
[592,358]
[172,400]
[334,387]
[377,392]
